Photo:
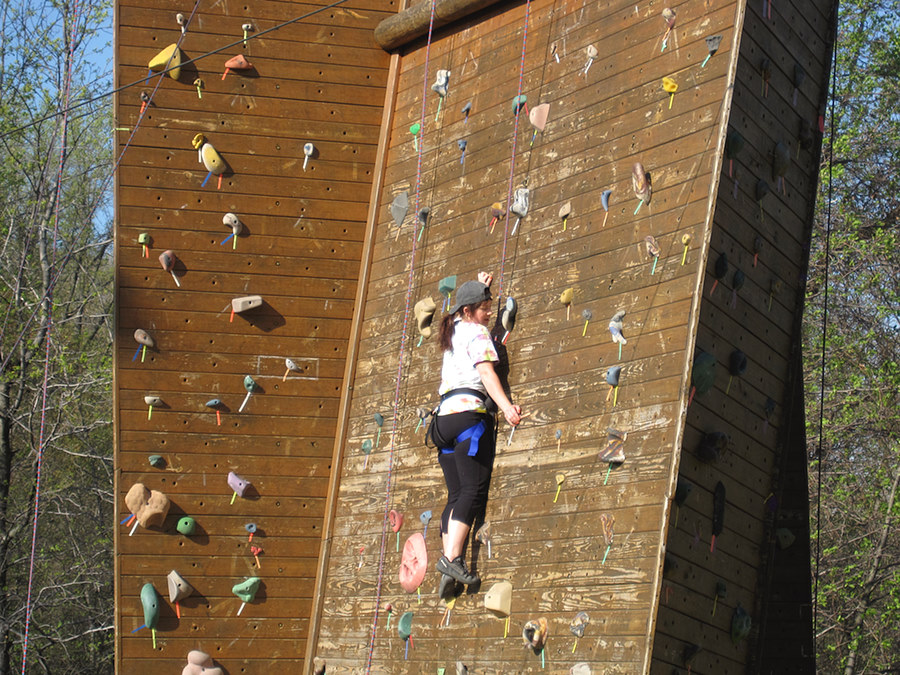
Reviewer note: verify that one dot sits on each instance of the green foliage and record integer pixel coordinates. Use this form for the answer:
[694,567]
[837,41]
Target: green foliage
[859,588]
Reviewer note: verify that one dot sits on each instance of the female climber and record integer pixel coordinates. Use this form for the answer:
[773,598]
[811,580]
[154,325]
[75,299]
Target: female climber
[464,428]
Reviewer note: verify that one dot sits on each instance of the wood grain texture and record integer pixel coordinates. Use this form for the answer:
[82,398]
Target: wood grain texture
[316,80]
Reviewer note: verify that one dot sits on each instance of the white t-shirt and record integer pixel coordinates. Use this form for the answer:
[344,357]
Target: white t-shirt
[470,345]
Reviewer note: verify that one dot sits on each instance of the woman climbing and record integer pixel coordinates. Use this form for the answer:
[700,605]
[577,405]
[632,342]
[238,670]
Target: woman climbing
[464,428]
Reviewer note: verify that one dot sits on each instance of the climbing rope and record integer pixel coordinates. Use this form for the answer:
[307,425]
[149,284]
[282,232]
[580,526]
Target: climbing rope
[404,339]
[512,163]
[47,302]
[834,64]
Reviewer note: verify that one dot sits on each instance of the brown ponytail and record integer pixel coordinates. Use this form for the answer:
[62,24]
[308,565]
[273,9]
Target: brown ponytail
[445,333]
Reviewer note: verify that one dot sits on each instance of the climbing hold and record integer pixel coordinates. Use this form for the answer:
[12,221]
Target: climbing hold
[180,20]
[607,523]
[149,507]
[688,654]
[396,521]
[670,86]
[483,536]
[413,562]
[520,205]
[652,250]
[560,479]
[587,315]
[738,280]
[462,143]
[640,183]
[712,46]
[737,366]
[762,189]
[367,450]
[308,150]
[289,367]
[152,401]
[442,80]
[781,160]
[535,633]
[246,591]
[238,484]
[566,298]
[256,551]
[554,51]
[497,212]
[718,519]
[198,83]
[703,374]
[564,212]
[669,15]
[232,222]
[712,446]
[217,405]
[579,623]
[210,158]
[425,518]
[765,72]
[179,589]
[604,201]
[247,28]
[238,62]
[399,208]
[508,317]
[169,59]
[251,530]
[615,329]
[199,663]
[251,386]
[414,129]
[519,102]
[721,592]
[404,625]
[805,137]
[144,340]
[682,491]
[424,312]
[591,55]
[423,414]
[150,603]
[614,452]
[145,240]
[774,288]
[784,537]
[580,668]
[740,624]
[720,270]
[757,248]
[686,242]
[379,422]
[734,145]
[612,379]
[157,461]
[446,286]
[424,212]
[538,118]
[186,526]
[167,260]
[499,599]
[799,79]
[466,109]
[145,101]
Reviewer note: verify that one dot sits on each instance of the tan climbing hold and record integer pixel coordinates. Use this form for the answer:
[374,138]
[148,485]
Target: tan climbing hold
[200,663]
[424,310]
[245,303]
[499,599]
[150,507]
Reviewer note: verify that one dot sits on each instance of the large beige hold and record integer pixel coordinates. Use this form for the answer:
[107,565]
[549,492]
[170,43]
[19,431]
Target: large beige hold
[245,303]
[499,599]
[200,663]
[150,507]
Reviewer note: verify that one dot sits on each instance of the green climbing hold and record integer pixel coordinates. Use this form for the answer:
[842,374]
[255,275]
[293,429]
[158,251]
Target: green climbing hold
[246,590]
[518,103]
[703,375]
[404,626]
[156,461]
[186,526]
[150,601]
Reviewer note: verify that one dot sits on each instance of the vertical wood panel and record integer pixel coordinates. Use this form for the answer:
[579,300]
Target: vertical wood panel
[317,80]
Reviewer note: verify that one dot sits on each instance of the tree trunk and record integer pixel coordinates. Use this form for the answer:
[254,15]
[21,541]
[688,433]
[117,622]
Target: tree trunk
[850,667]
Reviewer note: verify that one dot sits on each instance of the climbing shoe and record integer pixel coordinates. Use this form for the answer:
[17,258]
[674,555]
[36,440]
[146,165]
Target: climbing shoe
[457,569]
[449,587]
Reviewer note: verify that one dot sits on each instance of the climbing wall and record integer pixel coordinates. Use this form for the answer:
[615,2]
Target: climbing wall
[745,434]
[312,75]
[632,108]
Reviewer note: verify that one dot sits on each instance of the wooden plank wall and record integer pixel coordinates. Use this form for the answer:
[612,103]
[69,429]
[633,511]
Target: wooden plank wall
[318,80]
[764,467]
[601,122]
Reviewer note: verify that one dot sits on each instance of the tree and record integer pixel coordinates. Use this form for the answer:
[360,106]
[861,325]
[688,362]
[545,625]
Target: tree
[858,602]
[55,318]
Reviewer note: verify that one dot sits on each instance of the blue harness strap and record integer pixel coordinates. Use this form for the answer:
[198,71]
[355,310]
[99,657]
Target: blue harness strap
[472,434]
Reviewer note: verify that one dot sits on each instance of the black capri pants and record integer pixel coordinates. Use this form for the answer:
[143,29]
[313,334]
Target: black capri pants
[467,461]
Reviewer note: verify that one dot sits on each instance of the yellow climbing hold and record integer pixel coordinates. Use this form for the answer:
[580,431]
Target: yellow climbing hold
[170,58]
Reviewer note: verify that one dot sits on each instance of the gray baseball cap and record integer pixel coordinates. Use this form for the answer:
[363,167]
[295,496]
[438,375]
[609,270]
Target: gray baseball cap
[470,293]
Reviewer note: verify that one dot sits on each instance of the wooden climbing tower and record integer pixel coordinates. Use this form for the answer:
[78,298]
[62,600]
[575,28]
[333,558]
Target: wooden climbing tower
[684,202]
